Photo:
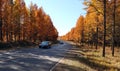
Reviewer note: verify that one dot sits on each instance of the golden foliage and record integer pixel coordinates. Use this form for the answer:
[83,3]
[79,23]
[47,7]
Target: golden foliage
[22,23]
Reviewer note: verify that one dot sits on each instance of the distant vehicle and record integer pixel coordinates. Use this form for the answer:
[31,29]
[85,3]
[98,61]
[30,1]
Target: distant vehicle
[45,44]
[60,42]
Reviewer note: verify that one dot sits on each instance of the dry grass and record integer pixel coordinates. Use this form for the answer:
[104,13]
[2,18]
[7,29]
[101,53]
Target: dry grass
[93,58]
[87,58]
[71,62]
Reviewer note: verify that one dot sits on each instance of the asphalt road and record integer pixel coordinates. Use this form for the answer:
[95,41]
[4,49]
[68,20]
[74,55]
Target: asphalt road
[32,59]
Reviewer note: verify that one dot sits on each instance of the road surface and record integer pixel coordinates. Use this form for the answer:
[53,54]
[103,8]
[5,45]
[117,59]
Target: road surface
[32,59]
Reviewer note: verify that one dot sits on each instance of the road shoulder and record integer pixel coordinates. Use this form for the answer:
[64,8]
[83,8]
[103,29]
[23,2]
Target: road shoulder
[71,62]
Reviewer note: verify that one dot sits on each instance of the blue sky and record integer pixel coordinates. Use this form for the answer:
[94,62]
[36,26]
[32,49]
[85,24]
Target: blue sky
[64,13]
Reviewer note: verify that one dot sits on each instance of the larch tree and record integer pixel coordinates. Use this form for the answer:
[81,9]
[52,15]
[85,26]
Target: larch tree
[22,23]
[1,4]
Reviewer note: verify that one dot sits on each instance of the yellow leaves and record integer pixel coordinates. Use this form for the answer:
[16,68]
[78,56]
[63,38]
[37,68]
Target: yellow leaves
[33,23]
[76,33]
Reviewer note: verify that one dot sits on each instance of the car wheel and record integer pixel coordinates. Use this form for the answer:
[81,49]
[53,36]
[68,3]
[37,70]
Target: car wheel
[49,46]
[39,46]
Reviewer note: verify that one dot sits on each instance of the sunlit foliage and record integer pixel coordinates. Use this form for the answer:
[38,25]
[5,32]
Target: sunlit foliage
[22,23]
[94,19]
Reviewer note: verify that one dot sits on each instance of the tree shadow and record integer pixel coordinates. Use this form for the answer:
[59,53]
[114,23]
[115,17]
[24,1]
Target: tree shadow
[89,63]
[30,59]
[64,67]
[26,64]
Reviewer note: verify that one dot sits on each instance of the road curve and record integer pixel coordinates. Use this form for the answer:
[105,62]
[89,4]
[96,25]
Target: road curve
[32,59]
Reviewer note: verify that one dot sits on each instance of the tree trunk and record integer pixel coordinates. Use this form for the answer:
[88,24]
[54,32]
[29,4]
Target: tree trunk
[19,32]
[113,29]
[1,38]
[7,36]
[104,39]
[96,37]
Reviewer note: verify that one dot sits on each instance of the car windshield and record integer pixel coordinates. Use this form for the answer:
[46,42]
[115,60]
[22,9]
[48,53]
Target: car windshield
[44,42]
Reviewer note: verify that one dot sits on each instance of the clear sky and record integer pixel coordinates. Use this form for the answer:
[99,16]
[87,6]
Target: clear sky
[64,13]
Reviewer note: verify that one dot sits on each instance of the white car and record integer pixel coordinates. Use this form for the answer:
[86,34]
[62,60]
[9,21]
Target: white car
[45,44]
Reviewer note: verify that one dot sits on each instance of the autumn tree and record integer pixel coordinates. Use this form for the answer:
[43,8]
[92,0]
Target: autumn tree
[77,33]
[113,27]
[104,7]
[22,23]
[1,20]
[80,29]
[6,19]
[101,24]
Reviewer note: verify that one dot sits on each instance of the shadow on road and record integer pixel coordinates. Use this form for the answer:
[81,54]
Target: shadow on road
[32,59]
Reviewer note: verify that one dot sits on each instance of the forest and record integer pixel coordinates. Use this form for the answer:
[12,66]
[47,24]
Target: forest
[93,44]
[17,22]
[100,26]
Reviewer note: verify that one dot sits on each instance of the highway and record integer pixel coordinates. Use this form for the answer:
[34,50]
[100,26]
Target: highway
[32,59]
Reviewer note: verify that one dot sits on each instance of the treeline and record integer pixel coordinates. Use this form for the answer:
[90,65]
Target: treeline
[90,29]
[17,22]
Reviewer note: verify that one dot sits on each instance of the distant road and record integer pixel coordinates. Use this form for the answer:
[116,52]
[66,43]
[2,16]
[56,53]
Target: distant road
[32,59]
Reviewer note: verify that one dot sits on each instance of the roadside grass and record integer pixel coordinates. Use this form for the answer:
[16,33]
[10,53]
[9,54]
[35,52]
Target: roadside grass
[71,62]
[87,58]
[93,58]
